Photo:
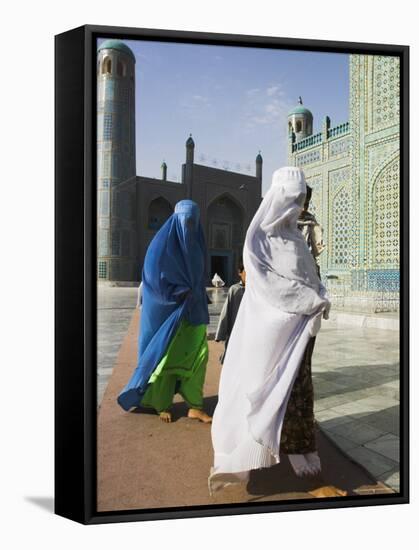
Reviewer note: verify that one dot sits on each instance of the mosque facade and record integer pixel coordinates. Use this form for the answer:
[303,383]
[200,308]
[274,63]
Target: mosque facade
[132,208]
[354,171]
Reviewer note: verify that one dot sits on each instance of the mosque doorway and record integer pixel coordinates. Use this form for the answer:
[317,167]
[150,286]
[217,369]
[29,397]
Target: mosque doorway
[225,237]
[221,264]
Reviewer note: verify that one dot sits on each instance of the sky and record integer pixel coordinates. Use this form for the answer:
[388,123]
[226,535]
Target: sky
[234,101]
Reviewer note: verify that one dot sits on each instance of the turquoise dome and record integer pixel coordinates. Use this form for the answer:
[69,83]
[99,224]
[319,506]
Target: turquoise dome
[300,110]
[113,44]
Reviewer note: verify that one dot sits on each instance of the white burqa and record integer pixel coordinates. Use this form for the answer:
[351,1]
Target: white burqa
[280,311]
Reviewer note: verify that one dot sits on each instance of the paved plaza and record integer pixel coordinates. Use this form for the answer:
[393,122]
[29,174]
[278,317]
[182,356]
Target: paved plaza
[146,463]
[356,388]
[355,376]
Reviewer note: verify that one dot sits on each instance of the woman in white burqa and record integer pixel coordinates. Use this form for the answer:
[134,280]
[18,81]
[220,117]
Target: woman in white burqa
[280,313]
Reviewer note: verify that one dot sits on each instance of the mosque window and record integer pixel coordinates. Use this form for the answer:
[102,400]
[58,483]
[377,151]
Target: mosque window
[107,66]
[298,126]
[102,270]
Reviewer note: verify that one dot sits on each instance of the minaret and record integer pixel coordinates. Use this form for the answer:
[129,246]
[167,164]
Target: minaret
[190,148]
[300,122]
[188,178]
[259,162]
[164,171]
[115,146]
[115,111]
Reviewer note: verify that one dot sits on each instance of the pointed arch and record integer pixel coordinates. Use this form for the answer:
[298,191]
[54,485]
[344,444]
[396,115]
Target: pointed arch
[385,216]
[106,65]
[229,197]
[159,210]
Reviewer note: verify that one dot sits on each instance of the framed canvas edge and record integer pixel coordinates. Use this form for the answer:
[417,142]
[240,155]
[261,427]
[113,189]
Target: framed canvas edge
[87,512]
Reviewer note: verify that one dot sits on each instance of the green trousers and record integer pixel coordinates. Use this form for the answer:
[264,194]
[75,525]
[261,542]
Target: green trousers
[181,370]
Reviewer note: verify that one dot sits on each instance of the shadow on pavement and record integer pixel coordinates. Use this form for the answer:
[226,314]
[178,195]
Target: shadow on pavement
[336,470]
[354,378]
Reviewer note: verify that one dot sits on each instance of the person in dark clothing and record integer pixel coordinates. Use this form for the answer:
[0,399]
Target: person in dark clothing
[230,309]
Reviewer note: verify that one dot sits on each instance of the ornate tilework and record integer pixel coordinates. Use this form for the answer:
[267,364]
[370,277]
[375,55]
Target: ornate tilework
[308,158]
[338,177]
[385,216]
[342,234]
[378,153]
[386,91]
[109,88]
[358,201]
[339,147]
[315,206]
[102,269]
[383,280]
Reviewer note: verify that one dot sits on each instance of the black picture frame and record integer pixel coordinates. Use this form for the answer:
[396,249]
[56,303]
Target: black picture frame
[75,272]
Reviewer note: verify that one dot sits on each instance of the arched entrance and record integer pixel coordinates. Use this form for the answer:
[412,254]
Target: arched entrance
[225,238]
[158,212]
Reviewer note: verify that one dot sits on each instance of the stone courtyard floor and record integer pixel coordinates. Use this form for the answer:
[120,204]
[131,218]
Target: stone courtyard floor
[355,376]
[356,388]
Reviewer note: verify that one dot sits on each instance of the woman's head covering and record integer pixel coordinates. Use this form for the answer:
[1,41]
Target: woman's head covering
[173,289]
[279,266]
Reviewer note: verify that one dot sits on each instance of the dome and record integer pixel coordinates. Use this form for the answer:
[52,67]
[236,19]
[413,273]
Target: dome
[300,110]
[116,45]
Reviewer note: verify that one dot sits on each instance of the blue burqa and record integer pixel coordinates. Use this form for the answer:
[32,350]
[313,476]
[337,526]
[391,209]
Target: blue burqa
[173,289]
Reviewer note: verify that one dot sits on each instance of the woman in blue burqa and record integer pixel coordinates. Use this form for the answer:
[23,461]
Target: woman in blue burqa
[173,348]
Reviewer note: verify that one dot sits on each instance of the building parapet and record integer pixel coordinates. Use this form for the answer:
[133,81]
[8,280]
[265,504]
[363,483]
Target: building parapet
[307,142]
[338,131]
[316,139]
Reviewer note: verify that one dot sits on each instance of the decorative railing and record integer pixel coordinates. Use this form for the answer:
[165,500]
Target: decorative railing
[316,139]
[309,141]
[339,130]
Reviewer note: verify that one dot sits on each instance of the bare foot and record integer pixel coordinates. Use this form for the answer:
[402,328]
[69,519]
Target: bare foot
[328,491]
[199,415]
[166,416]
